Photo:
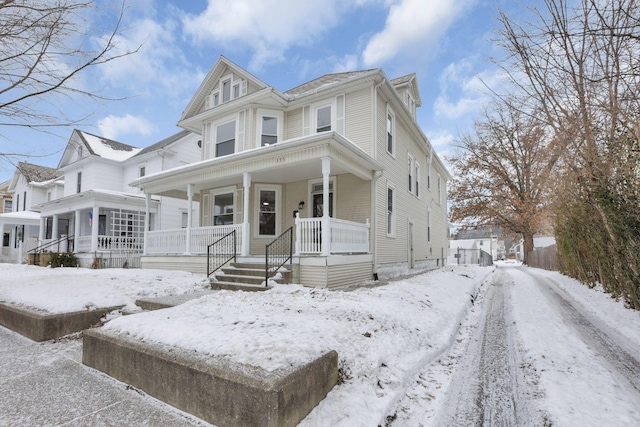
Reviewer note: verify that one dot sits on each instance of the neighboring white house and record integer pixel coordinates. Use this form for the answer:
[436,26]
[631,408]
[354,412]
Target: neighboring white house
[30,186]
[467,251]
[99,213]
[271,159]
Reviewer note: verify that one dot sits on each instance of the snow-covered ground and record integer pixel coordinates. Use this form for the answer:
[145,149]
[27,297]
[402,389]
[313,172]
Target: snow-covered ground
[398,344]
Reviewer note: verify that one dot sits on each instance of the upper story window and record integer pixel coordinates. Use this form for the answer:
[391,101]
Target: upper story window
[227,90]
[410,172]
[24,201]
[17,202]
[142,170]
[225,138]
[411,104]
[391,130]
[417,168]
[79,183]
[323,119]
[8,205]
[269,134]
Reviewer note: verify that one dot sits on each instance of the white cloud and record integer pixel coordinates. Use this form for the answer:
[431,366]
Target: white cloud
[463,90]
[412,23]
[267,28]
[159,64]
[113,127]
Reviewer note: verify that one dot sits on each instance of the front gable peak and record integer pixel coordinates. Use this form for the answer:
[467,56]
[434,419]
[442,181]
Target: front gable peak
[225,81]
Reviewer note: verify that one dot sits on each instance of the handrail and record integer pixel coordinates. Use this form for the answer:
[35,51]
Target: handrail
[41,248]
[216,255]
[277,253]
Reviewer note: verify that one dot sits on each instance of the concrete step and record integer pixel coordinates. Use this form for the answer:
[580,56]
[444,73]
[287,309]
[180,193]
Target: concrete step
[240,278]
[236,286]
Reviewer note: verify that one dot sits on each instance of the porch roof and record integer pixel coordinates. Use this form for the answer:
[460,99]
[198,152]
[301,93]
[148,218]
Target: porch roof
[97,198]
[20,218]
[289,161]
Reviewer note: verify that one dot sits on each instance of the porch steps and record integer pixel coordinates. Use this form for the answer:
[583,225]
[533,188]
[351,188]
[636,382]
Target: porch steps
[245,277]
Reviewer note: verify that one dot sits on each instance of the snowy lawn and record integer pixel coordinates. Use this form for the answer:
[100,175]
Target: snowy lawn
[383,335]
[64,290]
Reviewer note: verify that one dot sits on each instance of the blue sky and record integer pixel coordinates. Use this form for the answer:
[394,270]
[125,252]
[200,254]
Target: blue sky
[447,43]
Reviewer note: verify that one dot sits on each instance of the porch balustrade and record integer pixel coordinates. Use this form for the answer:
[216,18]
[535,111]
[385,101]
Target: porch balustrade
[110,243]
[175,241]
[345,236]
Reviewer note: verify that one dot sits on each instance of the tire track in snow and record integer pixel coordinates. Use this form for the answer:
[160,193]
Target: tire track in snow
[627,366]
[488,388]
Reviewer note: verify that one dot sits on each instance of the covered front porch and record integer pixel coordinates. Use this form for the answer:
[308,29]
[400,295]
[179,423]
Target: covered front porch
[263,193]
[96,224]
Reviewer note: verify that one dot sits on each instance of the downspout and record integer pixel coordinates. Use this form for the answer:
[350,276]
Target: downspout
[374,184]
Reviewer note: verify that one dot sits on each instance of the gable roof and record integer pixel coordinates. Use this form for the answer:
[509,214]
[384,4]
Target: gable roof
[326,80]
[163,144]
[412,81]
[107,148]
[222,67]
[37,173]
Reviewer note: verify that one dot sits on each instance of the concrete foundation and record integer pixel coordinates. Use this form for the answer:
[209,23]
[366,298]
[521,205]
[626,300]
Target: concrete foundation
[40,326]
[216,391]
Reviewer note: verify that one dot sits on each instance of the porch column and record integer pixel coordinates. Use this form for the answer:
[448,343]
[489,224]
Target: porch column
[2,235]
[76,229]
[147,208]
[246,183]
[41,231]
[54,230]
[326,221]
[95,220]
[190,207]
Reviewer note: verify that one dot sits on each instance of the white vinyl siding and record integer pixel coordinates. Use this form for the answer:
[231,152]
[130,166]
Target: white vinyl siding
[359,125]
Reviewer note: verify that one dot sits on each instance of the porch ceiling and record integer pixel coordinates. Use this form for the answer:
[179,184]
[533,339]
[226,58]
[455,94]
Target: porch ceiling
[290,161]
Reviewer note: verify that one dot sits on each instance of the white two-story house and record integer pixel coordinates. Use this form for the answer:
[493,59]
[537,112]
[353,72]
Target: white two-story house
[99,214]
[20,224]
[336,171]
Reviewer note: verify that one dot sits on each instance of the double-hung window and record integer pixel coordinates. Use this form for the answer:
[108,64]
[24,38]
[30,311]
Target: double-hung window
[410,173]
[391,210]
[391,129]
[223,209]
[417,169]
[225,138]
[323,119]
[269,133]
[79,182]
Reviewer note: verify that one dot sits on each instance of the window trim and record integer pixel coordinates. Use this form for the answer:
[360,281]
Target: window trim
[391,216]
[142,170]
[417,178]
[279,115]
[319,107]
[278,209]
[390,131]
[410,172]
[79,182]
[212,201]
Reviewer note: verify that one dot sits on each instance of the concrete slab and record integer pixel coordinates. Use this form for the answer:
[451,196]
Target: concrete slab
[42,326]
[215,390]
[59,390]
[169,301]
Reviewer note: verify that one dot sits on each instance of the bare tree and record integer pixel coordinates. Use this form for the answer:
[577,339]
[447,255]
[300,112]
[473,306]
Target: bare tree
[46,48]
[580,61]
[502,173]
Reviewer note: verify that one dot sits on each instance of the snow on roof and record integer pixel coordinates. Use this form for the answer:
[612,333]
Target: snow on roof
[22,217]
[109,149]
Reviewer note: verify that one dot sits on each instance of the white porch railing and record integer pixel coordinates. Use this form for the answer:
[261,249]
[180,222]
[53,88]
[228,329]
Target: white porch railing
[109,243]
[345,236]
[175,241]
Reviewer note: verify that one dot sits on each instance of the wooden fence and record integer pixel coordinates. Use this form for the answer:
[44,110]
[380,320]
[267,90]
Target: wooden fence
[544,258]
